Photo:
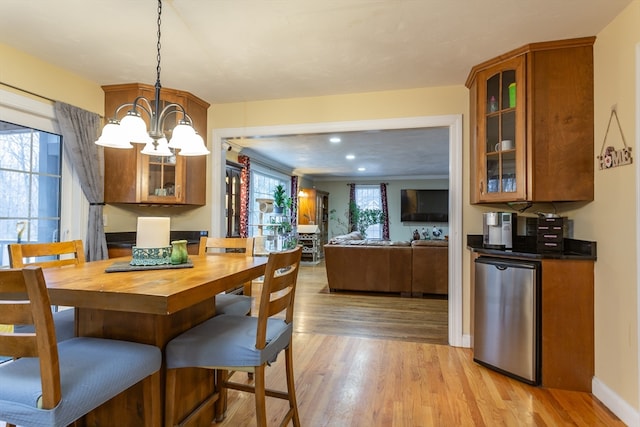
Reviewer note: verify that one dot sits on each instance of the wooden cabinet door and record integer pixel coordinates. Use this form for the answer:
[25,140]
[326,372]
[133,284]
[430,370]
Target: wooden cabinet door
[500,157]
[547,115]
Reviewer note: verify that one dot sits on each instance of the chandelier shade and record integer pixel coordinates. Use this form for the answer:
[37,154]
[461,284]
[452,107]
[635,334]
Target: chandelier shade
[113,137]
[196,148]
[158,148]
[132,128]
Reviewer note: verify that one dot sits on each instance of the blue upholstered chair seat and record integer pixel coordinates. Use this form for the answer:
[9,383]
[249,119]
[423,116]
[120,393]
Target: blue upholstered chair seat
[64,321]
[227,341]
[233,304]
[92,371]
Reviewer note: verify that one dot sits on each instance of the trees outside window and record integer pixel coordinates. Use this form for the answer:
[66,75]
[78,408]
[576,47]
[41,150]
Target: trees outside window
[368,198]
[30,186]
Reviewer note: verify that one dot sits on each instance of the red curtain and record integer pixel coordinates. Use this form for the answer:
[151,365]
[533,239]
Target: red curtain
[385,211]
[352,201]
[294,199]
[244,195]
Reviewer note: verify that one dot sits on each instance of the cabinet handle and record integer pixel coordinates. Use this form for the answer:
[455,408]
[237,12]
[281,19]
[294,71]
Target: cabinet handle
[481,185]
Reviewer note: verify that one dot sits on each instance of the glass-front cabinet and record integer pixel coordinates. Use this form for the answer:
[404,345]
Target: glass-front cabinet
[132,177]
[501,133]
[531,119]
[162,179]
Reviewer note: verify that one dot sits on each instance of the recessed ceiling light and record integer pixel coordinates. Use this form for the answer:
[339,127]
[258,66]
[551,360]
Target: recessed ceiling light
[334,139]
[361,169]
[350,157]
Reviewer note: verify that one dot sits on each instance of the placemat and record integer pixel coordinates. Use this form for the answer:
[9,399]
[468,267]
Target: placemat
[125,266]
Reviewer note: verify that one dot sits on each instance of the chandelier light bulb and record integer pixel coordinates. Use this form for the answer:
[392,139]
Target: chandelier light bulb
[134,128]
[160,149]
[113,137]
[182,135]
[195,147]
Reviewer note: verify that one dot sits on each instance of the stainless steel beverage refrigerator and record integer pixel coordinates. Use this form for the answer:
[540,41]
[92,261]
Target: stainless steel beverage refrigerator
[507,317]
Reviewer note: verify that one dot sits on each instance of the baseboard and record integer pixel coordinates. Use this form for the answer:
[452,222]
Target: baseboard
[627,413]
[466,341]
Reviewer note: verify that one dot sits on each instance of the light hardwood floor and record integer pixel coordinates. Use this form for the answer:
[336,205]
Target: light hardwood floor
[378,375]
[370,361]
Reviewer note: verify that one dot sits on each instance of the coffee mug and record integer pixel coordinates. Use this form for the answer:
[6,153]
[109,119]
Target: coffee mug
[506,144]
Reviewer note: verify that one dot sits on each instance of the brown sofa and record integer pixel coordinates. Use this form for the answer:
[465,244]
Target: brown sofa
[430,267]
[407,268]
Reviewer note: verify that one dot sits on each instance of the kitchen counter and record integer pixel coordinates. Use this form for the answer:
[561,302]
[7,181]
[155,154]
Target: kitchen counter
[525,247]
[120,243]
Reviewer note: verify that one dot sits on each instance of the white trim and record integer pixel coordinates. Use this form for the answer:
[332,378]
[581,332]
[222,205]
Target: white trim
[24,111]
[36,114]
[453,122]
[627,413]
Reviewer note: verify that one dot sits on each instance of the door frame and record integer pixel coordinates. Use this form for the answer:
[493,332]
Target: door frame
[452,122]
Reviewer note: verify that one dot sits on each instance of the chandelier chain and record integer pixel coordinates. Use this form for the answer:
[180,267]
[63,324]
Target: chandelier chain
[159,45]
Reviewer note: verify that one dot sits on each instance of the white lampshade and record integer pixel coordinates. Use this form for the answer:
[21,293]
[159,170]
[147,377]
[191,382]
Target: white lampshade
[113,137]
[162,149]
[182,135]
[195,147]
[135,129]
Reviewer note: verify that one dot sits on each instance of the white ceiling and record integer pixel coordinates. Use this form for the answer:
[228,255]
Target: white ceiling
[246,50]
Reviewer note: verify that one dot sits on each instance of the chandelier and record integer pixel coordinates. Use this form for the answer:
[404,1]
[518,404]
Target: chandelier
[132,127]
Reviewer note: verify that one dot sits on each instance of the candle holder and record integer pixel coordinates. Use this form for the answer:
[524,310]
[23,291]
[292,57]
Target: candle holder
[151,256]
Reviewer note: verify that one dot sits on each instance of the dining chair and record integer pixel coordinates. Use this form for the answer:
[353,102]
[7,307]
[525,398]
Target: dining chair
[230,302]
[55,384]
[243,343]
[46,255]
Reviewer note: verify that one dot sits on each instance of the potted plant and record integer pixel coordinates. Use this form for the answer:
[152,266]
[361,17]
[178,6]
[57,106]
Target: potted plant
[362,219]
[358,219]
[279,199]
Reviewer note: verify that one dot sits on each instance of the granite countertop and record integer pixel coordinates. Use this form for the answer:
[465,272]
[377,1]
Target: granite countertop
[525,247]
[127,239]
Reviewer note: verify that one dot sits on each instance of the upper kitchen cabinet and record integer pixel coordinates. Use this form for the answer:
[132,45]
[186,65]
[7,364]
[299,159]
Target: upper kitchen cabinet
[531,113]
[132,177]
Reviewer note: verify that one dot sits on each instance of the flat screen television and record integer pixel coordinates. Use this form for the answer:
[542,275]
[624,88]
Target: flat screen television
[424,205]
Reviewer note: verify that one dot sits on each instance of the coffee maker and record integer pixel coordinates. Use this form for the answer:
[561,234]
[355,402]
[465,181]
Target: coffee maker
[499,230]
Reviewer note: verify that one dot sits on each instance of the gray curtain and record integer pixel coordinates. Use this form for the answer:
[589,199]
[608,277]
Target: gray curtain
[79,130]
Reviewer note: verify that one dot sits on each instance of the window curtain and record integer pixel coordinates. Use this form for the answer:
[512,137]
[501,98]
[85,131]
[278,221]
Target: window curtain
[352,202]
[245,188]
[79,130]
[294,199]
[385,211]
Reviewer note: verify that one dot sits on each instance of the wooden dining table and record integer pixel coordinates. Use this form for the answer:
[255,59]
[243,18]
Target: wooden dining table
[151,306]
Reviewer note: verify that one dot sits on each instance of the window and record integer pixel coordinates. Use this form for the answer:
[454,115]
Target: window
[369,197]
[262,182]
[30,172]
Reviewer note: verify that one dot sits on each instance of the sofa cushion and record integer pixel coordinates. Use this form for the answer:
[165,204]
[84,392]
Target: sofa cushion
[354,235]
[430,243]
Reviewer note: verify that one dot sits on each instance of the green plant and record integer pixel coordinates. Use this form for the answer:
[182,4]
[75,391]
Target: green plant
[358,219]
[279,196]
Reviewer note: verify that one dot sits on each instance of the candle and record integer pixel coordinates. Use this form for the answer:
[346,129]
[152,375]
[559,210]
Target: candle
[153,232]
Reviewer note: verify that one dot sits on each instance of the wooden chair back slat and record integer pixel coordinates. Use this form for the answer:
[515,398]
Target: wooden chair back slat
[278,289]
[36,311]
[240,246]
[226,245]
[66,253]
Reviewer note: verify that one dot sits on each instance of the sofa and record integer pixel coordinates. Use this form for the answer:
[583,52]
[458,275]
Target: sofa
[408,268]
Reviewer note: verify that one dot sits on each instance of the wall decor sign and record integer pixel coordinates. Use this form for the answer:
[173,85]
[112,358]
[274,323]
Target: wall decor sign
[610,157]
